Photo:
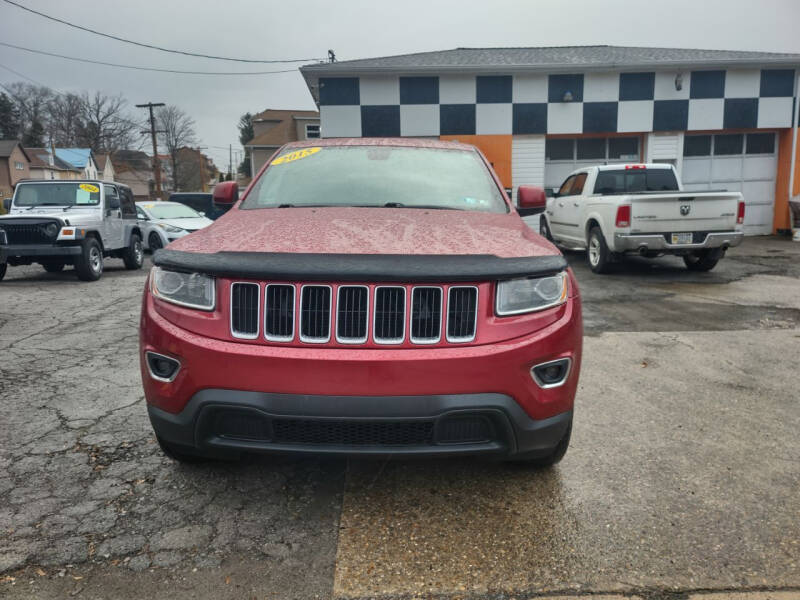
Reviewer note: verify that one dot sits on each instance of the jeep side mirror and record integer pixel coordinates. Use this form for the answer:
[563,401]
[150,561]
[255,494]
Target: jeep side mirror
[7,204]
[113,203]
[530,200]
[226,194]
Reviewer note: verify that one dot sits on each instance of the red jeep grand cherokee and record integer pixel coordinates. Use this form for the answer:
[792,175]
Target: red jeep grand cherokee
[365,297]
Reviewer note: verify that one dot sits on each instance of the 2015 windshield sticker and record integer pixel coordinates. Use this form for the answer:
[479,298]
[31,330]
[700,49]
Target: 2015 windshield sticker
[88,187]
[296,155]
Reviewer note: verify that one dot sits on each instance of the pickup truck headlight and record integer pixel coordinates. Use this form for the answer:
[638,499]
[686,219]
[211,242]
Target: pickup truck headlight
[193,290]
[169,228]
[518,296]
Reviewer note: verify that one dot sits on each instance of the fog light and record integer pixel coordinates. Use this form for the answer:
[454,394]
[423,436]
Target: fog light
[162,368]
[551,374]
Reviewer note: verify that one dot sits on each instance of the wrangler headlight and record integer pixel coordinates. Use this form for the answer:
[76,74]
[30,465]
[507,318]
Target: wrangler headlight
[193,290]
[527,295]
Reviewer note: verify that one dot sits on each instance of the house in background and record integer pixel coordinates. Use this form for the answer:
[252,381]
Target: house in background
[135,169]
[14,165]
[46,165]
[274,128]
[80,158]
[196,172]
[105,167]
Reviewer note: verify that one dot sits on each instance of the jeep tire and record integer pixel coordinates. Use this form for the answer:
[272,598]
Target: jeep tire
[133,255]
[3,268]
[89,265]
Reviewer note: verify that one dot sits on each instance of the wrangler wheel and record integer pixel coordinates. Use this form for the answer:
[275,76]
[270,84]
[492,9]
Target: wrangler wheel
[133,255]
[89,265]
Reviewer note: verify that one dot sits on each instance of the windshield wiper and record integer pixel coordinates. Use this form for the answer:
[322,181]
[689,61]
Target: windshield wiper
[426,206]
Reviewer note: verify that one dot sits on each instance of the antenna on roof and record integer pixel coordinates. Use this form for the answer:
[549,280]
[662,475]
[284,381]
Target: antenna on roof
[331,56]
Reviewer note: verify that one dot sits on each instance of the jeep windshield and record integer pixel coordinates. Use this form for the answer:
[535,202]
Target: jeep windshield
[56,194]
[377,176]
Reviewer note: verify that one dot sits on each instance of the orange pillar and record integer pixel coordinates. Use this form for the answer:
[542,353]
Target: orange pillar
[781,218]
[496,149]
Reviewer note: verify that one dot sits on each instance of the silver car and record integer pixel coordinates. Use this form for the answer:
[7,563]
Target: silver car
[164,222]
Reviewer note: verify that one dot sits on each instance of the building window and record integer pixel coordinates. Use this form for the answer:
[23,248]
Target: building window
[19,166]
[697,145]
[312,131]
[592,149]
[728,144]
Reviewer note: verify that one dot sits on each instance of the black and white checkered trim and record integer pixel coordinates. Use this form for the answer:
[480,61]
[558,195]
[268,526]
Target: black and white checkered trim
[577,103]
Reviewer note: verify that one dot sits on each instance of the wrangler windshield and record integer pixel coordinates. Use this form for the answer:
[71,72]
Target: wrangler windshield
[57,194]
[387,176]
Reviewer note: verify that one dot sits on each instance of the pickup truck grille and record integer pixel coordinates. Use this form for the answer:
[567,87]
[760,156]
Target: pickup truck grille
[30,231]
[354,314]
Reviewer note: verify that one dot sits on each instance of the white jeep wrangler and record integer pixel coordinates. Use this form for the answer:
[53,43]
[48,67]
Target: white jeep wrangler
[58,223]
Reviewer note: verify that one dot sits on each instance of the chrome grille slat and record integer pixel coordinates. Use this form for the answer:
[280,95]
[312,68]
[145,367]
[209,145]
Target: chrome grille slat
[352,314]
[462,313]
[279,313]
[426,315]
[244,308]
[389,320]
[315,313]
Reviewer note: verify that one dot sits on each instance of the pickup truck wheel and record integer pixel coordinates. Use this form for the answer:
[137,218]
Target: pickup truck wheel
[548,460]
[3,268]
[89,265]
[702,260]
[133,255]
[544,229]
[53,266]
[597,252]
[154,241]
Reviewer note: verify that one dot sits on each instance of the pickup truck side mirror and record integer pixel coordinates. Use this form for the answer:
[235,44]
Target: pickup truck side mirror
[530,200]
[7,204]
[226,195]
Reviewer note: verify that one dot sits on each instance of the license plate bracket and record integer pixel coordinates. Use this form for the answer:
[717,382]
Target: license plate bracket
[682,238]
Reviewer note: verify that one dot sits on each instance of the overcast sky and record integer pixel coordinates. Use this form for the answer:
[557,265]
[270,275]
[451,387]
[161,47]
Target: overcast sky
[307,29]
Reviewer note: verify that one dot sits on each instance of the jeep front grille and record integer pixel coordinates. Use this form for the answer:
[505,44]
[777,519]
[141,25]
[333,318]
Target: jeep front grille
[462,313]
[244,310]
[354,314]
[315,313]
[279,313]
[426,315]
[30,231]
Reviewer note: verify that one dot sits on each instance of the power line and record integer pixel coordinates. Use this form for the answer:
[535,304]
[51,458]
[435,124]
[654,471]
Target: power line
[137,68]
[151,46]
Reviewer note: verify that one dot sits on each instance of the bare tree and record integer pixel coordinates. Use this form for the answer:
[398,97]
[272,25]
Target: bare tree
[65,119]
[177,131]
[106,125]
[32,104]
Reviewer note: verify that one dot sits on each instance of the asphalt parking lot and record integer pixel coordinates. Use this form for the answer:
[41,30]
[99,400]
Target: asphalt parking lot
[683,476]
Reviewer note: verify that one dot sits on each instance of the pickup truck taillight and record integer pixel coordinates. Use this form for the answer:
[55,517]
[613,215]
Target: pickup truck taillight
[740,214]
[624,215]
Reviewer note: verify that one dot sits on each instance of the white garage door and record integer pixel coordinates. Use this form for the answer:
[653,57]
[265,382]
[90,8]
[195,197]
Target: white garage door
[564,155]
[735,162]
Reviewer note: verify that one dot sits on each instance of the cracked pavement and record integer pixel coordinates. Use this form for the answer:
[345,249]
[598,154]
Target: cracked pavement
[682,477]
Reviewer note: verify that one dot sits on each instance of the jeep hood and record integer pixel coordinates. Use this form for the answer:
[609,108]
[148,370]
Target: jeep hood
[354,230]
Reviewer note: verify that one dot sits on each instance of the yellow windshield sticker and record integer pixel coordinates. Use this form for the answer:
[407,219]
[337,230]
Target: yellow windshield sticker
[296,155]
[88,187]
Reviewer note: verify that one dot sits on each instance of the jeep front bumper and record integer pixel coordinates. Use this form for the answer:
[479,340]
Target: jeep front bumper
[28,250]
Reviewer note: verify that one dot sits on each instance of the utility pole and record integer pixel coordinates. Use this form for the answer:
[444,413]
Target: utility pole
[153,132]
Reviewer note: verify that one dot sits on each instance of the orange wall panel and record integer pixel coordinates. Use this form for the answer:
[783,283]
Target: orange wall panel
[496,149]
[781,219]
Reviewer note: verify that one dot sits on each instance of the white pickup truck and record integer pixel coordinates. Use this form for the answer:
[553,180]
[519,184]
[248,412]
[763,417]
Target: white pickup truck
[641,208]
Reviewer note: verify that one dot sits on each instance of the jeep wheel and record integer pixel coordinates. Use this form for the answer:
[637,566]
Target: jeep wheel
[133,255]
[154,241]
[54,266]
[89,265]
[702,260]
[597,251]
[3,268]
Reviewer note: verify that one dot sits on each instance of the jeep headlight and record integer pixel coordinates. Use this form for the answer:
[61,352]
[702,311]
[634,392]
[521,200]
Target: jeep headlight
[527,295]
[169,228]
[193,290]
